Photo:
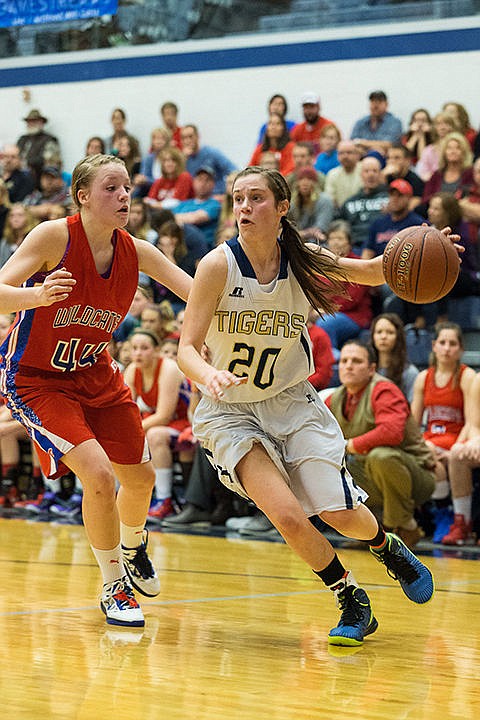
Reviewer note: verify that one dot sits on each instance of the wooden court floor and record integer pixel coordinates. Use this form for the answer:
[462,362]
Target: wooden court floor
[239,631]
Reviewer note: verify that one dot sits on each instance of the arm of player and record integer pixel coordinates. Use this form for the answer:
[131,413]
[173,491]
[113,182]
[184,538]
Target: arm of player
[155,264]
[42,250]
[208,284]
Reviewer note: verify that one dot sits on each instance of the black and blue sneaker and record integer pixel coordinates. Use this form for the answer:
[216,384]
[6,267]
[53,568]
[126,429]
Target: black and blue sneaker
[357,619]
[415,578]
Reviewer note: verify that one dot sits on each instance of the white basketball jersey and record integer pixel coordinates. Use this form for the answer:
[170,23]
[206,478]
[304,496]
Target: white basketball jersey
[260,334]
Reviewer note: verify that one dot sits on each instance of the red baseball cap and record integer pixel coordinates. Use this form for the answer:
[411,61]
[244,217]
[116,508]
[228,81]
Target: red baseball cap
[401,186]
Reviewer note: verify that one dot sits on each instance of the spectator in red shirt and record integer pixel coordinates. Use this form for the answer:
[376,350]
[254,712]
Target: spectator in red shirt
[386,453]
[276,140]
[310,129]
[322,353]
[176,183]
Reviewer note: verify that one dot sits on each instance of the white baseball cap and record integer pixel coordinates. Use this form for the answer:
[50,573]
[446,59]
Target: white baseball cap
[310,98]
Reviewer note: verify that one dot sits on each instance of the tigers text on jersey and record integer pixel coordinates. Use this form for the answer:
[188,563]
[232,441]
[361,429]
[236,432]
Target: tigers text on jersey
[258,333]
[71,335]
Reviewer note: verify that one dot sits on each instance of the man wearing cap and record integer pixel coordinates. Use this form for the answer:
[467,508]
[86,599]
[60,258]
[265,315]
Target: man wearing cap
[203,210]
[53,196]
[397,217]
[310,129]
[206,155]
[37,147]
[378,130]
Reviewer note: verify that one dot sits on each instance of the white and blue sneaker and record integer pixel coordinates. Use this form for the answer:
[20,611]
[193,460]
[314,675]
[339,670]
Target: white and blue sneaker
[119,604]
[140,569]
[415,578]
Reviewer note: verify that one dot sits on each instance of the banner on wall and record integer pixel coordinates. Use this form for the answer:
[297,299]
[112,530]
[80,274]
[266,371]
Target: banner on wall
[32,12]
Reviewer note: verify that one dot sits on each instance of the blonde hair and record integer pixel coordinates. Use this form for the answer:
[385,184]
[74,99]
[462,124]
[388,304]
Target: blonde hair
[30,223]
[86,170]
[464,146]
[177,156]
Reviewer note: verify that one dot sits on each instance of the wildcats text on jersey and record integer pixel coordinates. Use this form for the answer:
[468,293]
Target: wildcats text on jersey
[88,316]
[265,322]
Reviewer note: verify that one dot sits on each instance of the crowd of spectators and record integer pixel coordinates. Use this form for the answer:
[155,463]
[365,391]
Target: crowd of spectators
[351,194]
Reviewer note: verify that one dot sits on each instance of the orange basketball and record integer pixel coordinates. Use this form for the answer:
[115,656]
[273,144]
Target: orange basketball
[420,264]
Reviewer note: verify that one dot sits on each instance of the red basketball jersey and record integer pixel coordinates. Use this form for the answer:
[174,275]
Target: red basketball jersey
[444,406]
[73,334]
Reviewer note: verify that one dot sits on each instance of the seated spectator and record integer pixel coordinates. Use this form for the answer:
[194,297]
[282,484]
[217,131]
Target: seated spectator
[468,197]
[345,180]
[227,224]
[128,151]
[443,123]
[269,160]
[439,401]
[119,126]
[303,157]
[322,354]
[18,224]
[379,129]
[460,115]
[203,210]
[398,167]
[207,500]
[387,337]
[143,296]
[19,182]
[169,115]
[328,156]
[309,130]
[277,104]
[464,457]
[312,211]
[150,164]
[354,306]
[171,241]
[37,147]
[159,319]
[162,394]
[419,133]
[454,167]
[276,140]
[95,146]
[205,156]
[444,210]
[397,216]
[386,453]
[138,222]
[361,209]
[194,238]
[175,183]
[4,206]
[53,191]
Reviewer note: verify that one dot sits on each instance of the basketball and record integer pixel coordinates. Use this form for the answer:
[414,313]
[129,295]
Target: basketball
[420,264]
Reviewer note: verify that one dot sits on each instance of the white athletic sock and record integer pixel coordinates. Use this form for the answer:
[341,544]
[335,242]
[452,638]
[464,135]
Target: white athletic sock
[463,506]
[110,563]
[441,491]
[342,584]
[131,537]
[163,482]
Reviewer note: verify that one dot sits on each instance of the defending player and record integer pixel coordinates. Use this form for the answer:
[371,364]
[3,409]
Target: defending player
[72,281]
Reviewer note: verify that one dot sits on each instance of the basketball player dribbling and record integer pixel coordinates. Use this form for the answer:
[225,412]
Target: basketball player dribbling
[71,282]
[261,423]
